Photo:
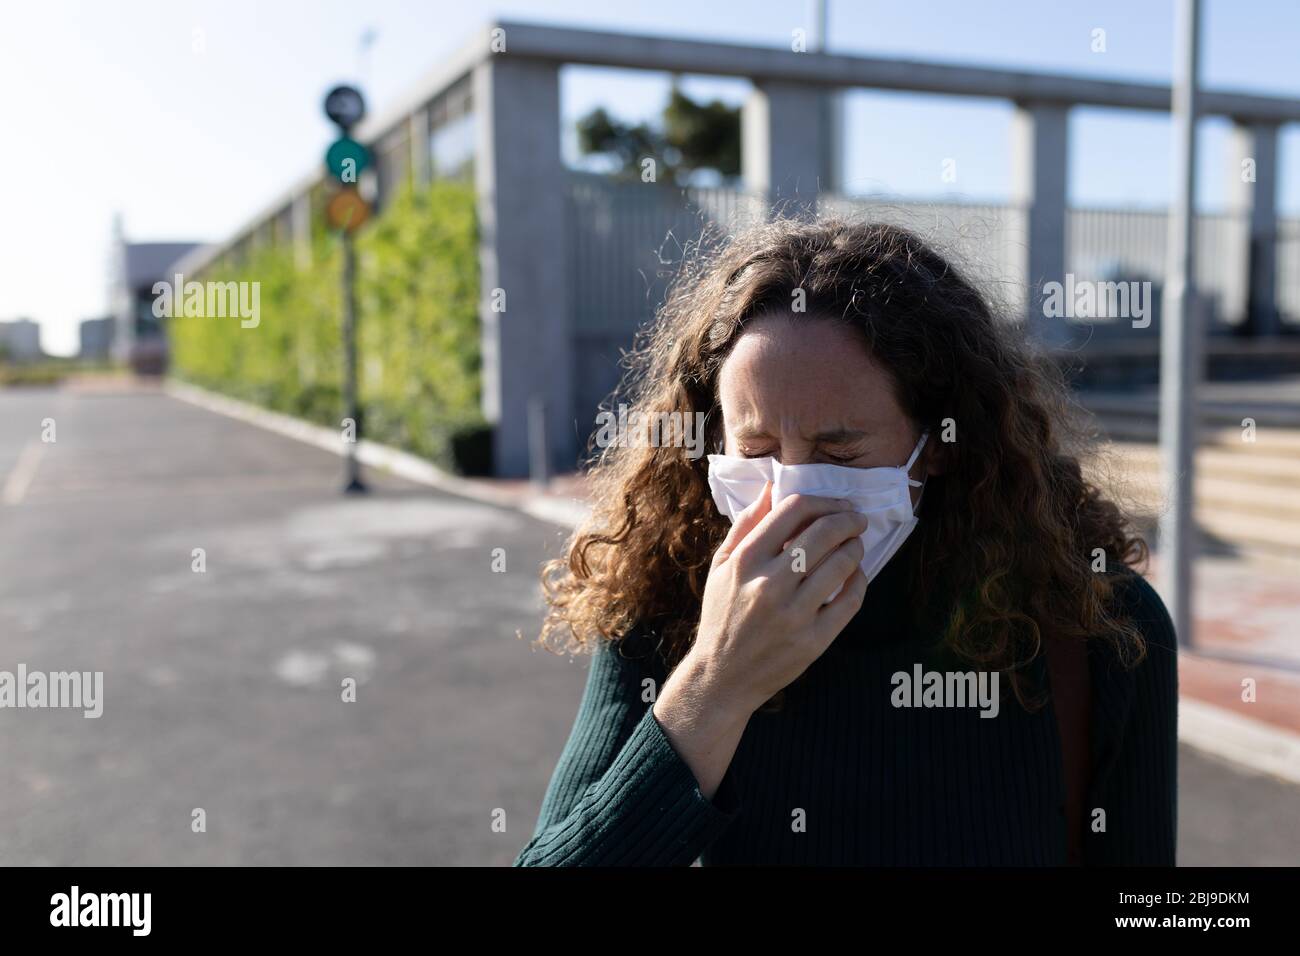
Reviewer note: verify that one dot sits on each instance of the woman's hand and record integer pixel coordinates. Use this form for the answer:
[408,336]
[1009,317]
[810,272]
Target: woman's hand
[762,622]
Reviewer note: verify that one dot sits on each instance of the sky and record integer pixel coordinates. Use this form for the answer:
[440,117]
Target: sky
[189,117]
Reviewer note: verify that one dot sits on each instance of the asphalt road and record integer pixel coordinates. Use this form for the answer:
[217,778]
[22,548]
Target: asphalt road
[223,688]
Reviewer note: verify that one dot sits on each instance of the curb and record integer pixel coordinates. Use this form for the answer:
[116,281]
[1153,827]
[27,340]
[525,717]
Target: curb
[551,508]
[1256,746]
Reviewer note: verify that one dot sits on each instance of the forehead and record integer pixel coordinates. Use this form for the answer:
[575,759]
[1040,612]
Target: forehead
[808,373]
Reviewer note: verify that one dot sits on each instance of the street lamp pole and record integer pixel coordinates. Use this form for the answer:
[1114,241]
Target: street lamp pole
[1181,334]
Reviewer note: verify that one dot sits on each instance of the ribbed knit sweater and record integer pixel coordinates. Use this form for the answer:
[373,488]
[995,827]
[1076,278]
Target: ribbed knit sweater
[844,777]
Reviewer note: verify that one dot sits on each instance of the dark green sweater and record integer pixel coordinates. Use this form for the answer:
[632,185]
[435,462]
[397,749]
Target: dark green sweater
[843,776]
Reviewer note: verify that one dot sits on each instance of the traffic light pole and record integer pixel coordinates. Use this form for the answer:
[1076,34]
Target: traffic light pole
[353,483]
[345,158]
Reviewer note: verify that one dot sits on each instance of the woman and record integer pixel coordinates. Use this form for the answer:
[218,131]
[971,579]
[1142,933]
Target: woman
[786,687]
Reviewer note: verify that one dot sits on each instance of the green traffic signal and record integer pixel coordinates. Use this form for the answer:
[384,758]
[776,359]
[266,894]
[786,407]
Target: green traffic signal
[346,158]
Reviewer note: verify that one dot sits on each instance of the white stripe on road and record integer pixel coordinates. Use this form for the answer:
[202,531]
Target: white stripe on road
[24,470]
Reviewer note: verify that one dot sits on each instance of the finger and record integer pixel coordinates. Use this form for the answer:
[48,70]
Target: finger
[835,616]
[830,574]
[823,536]
[786,520]
[744,523]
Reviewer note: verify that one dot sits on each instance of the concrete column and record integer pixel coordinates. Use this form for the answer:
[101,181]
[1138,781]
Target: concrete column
[1252,196]
[418,134]
[266,233]
[1039,151]
[523,251]
[300,219]
[835,140]
[783,142]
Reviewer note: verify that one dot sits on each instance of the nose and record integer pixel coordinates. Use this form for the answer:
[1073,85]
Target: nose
[795,453]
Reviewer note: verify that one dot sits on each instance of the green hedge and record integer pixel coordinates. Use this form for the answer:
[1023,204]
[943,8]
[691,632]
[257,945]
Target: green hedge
[417,326]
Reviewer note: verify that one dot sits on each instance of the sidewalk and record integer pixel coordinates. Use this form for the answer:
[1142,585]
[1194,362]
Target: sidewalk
[1247,626]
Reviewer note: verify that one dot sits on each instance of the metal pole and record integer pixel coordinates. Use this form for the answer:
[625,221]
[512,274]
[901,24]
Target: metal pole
[1181,329]
[353,483]
[820,16]
[539,465]
[831,108]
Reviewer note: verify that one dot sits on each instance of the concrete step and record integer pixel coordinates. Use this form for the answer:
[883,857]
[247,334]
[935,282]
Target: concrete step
[1248,463]
[1245,499]
[1266,411]
[1144,429]
[1225,496]
[1250,533]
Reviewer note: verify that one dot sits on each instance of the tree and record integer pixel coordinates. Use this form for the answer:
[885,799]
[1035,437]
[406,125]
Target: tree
[690,136]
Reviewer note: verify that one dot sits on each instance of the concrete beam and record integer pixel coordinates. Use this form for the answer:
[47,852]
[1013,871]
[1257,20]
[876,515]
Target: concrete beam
[670,54]
[528,347]
[559,45]
[1039,153]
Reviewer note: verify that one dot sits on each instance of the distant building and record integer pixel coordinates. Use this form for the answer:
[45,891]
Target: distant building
[20,340]
[97,338]
[140,338]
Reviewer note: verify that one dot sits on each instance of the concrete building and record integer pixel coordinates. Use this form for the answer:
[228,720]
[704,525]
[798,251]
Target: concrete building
[96,337]
[140,338]
[20,341]
[558,347]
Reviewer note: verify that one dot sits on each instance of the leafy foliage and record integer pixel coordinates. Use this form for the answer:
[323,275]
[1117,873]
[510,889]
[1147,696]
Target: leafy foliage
[689,137]
[417,326]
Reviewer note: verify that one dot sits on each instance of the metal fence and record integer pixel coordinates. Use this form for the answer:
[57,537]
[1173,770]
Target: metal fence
[985,241]
[626,244]
[628,239]
[1128,244]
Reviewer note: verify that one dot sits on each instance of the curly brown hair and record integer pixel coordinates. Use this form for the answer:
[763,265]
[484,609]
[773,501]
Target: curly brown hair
[1007,545]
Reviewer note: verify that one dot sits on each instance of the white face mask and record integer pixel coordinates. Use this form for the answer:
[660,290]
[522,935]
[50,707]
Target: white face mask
[883,494]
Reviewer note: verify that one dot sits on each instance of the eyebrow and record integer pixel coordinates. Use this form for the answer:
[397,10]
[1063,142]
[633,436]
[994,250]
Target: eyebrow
[833,437]
[839,436]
